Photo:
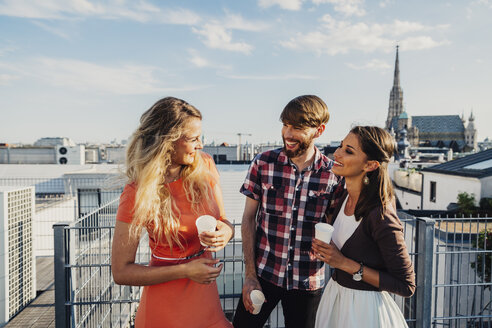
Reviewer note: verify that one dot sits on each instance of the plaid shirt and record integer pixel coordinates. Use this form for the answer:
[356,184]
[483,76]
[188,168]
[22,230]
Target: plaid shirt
[292,202]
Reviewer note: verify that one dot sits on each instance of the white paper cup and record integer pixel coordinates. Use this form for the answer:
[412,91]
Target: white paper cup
[258,299]
[205,223]
[323,232]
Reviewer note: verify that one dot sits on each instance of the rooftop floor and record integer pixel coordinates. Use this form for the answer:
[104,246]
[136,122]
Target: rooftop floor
[41,311]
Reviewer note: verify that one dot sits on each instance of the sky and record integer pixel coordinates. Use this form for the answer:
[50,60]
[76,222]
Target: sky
[87,69]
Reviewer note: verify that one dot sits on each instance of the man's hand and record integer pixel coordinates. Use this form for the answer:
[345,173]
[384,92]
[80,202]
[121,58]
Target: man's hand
[250,284]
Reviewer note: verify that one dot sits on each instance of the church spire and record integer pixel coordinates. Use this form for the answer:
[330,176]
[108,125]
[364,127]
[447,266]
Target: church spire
[396,80]
[396,95]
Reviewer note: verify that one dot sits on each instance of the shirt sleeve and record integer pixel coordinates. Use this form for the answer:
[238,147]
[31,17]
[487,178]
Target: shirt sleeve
[252,184]
[399,277]
[127,202]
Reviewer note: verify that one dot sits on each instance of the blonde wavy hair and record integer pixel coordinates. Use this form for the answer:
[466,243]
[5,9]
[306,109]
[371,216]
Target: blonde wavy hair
[148,158]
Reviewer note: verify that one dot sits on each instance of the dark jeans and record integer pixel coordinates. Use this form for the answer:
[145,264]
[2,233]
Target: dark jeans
[299,307]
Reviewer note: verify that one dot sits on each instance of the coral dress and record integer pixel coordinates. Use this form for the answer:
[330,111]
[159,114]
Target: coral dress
[181,302]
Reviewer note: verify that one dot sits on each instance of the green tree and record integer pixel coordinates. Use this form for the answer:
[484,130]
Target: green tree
[484,260]
[466,203]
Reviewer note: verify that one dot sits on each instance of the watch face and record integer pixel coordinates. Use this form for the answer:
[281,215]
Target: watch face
[357,276]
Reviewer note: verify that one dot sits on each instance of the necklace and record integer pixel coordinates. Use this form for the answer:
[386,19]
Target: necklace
[171,178]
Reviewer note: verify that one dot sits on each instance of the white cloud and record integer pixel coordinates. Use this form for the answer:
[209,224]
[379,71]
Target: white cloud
[180,16]
[284,4]
[216,36]
[56,31]
[420,43]
[127,79]
[373,65]
[6,50]
[339,37]
[5,79]
[477,5]
[385,3]
[487,3]
[237,22]
[272,77]
[346,7]
[75,9]
[201,62]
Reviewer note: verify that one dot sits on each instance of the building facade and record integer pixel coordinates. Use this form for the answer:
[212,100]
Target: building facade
[441,131]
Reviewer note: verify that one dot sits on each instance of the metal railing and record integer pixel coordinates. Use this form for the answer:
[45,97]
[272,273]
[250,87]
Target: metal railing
[86,296]
[62,199]
[85,293]
[461,273]
[452,258]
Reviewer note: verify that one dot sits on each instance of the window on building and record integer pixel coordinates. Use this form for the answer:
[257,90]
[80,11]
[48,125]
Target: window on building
[89,200]
[220,159]
[433,191]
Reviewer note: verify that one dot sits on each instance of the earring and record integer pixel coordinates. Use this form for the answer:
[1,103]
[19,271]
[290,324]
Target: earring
[365,180]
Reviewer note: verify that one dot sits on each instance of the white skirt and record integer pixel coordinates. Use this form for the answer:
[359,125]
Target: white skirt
[346,307]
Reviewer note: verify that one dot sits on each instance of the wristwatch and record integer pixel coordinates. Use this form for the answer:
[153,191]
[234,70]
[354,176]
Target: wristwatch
[358,275]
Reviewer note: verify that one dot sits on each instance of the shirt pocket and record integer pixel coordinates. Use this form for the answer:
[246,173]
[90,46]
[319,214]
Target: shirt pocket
[273,199]
[316,204]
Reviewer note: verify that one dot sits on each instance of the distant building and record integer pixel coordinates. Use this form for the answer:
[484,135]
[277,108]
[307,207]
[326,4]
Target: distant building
[428,131]
[443,182]
[115,155]
[27,155]
[53,142]
[261,148]
[485,144]
[222,153]
[59,154]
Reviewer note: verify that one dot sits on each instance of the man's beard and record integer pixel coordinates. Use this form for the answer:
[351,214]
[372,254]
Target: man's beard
[302,147]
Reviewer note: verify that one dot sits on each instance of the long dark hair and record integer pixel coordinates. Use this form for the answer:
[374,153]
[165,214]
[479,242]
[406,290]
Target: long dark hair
[378,145]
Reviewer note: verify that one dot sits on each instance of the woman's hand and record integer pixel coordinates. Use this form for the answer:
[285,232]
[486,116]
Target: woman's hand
[218,239]
[202,270]
[328,253]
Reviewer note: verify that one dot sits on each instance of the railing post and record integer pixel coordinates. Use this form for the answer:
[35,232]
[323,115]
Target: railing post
[61,257]
[425,251]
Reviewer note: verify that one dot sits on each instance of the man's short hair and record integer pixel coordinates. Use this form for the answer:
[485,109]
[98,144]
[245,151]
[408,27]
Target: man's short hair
[305,111]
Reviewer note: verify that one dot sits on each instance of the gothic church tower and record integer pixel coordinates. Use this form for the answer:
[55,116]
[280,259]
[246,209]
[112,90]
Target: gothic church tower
[471,133]
[396,96]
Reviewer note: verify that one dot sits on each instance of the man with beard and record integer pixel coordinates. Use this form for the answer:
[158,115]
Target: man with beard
[288,191]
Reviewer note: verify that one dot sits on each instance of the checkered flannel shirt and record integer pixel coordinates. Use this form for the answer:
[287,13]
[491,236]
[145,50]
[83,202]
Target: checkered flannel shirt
[291,203]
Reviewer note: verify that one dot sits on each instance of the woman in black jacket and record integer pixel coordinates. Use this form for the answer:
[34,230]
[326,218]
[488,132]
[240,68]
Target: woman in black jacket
[367,249]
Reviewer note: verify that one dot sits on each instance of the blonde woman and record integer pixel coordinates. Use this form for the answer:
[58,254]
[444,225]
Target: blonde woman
[171,183]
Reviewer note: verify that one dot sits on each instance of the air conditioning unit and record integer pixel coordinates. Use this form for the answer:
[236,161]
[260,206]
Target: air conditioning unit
[70,155]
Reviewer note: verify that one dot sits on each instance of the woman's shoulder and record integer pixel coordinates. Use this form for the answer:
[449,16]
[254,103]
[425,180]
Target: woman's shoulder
[127,202]
[129,189]
[206,157]
[383,217]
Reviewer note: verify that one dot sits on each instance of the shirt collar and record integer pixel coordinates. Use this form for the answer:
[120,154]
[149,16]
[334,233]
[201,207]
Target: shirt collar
[316,165]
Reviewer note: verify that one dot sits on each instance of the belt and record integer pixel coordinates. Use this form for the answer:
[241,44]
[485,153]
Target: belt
[179,258]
